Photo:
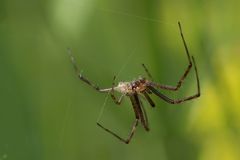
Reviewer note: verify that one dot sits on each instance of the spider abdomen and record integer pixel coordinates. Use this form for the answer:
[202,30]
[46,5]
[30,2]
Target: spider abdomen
[138,85]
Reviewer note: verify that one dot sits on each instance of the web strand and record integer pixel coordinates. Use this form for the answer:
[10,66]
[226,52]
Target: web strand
[107,96]
[127,61]
[103,106]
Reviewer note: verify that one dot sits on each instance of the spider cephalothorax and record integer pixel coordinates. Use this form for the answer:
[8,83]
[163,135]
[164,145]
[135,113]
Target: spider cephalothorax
[129,88]
[143,87]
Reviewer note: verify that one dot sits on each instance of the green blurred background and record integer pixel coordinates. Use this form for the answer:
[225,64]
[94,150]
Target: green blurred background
[46,113]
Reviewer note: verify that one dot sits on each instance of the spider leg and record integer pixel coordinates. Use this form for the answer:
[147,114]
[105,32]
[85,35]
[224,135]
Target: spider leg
[147,71]
[177,101]
[173,101]
[117,101]
[150,101]
[134,126]
[139,115]
[81,77]
[145,116]
[187,70]
[136,103]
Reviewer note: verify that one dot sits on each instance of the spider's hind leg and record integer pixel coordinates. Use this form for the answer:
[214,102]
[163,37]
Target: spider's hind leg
[187,70]
[177,101]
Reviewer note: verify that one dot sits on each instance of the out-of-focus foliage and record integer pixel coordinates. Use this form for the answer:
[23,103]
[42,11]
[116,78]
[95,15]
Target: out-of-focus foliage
[47,113]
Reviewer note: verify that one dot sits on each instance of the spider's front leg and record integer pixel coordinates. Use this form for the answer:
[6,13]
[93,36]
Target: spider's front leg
[85,80]
[81,77]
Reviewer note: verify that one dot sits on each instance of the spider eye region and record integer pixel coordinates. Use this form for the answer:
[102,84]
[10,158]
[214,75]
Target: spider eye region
[123,87]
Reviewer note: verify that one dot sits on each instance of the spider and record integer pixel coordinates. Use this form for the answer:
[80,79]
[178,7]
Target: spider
[144,87]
